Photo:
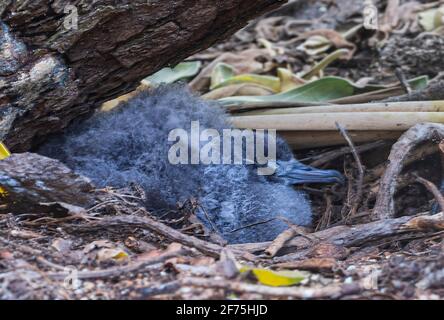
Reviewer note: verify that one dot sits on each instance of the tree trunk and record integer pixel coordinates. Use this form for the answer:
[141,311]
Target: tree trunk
[52,72]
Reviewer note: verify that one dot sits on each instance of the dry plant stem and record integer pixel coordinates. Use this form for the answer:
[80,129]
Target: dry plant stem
[441,149]
[328,156]
[314,139]
[325,220]
[385,207]
[252,225]
[401,77]
[348,200]
[209,219]
[279,242]
[434,190]
[357,199]
[361,121]
[408,106]
[332,292]
[359,235]
[300,231]
[153,226]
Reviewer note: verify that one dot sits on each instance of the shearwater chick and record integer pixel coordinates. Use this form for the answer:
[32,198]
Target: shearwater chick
[129,144]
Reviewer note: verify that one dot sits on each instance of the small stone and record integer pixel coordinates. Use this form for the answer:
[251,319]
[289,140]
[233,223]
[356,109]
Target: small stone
[348,280]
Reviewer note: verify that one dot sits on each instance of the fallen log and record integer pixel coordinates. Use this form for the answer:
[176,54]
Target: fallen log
[61,59]
[358,235]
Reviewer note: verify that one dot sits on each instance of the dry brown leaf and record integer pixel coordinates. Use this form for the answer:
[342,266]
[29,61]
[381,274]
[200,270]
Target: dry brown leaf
[334,37]
[391,16]
[61,245]
[270,28]
[237,90]
[246,61]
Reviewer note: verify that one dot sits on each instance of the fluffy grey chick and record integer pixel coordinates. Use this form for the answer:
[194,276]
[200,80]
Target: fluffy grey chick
[130,145]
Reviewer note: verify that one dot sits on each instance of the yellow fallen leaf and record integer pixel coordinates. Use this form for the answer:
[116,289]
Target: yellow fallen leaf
[272,49]
[270,82]
[111,254]
[431,19]
[221,73]
[439,17]
[121,255]
[4,152]
[276,278]
[3,192]
[289,80]
[320,66]
[246,89]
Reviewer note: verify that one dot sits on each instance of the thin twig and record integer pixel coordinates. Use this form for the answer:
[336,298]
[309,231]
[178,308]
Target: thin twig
[360,181]
[325,220]
[279,242]
[433,189]
[300,231]
[404,83]
[252,225]
[323,158]
[209,219]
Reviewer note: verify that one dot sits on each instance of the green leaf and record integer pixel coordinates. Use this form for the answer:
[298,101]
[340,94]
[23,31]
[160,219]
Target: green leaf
[431,19]
[221,73]
[322,90]
[439,17]
[183,70]
[270,82]
[276,278]
[324,63]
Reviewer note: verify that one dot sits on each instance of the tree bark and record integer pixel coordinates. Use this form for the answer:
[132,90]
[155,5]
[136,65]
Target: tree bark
[52,72]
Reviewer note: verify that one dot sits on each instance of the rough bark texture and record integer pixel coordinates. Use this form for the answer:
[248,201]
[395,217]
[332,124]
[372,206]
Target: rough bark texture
[31,183]
[355,236]
[50,75]
[415,136]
